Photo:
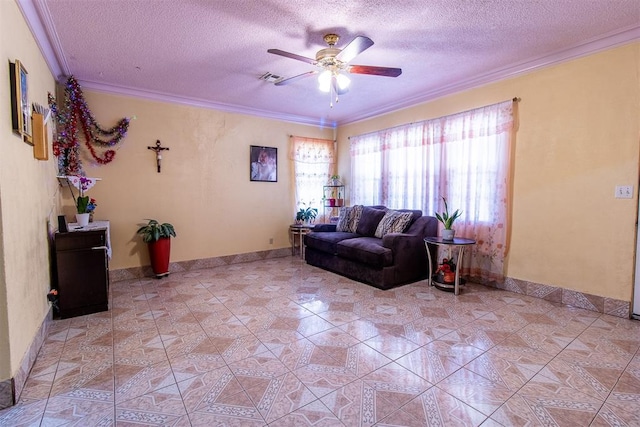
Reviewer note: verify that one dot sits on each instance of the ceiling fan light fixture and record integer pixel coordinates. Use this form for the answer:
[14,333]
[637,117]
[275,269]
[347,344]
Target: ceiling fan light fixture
[324,81]
[343,81]
[333,65]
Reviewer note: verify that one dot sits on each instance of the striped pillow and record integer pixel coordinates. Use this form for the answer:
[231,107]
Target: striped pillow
[393,222]
[348,218]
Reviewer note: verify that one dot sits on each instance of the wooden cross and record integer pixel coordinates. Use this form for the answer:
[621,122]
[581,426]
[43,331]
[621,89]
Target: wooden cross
[158,149]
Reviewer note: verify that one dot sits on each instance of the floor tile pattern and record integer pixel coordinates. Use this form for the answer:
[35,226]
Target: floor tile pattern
[279,343]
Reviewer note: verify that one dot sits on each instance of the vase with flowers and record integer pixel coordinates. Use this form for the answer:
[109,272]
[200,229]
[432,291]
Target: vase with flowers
[84,204]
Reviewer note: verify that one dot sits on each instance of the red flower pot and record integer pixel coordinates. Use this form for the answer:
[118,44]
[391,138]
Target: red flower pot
[159,252]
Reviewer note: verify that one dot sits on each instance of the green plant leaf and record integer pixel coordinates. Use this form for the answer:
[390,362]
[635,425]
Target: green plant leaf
[446,219]
[154,231]
[81,204]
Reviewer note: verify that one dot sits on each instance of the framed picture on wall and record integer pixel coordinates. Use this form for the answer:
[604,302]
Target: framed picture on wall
[20,107]
[264,163]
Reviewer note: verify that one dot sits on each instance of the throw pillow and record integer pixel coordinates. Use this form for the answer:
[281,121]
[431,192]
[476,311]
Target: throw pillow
[369,221]
[348,218]
[393,222]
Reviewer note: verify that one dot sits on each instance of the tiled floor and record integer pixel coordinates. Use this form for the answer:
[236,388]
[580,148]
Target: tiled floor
[281,343]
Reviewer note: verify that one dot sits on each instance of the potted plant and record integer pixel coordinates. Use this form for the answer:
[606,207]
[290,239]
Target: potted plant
[84,204]
[335,180]
[306,215]
[447,220]
[158,239]
[447,271]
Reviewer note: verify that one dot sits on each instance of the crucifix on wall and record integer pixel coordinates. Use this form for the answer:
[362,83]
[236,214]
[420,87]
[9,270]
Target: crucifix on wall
[158,149]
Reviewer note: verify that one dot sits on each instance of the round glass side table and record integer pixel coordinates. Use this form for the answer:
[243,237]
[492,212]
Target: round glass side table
[458,242]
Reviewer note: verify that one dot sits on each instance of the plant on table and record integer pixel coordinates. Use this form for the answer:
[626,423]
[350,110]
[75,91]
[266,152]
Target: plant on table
[446,219]
[306,214]
[84,204]
[448,270]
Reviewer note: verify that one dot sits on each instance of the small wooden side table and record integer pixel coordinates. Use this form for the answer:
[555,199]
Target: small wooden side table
[299,231]
[458,242]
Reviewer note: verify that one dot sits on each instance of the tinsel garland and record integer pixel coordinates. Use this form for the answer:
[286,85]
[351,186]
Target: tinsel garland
[67,146]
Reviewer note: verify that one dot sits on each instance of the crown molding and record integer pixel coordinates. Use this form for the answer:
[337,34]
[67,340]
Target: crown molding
[44,32]
[609,41]
[201,103]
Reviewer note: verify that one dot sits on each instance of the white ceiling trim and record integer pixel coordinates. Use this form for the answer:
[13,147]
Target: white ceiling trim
[45,35]
[608,42]
[52,56]
[613,40]
[194,102]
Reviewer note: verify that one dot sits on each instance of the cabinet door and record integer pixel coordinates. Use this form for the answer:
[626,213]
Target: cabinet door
[82,276]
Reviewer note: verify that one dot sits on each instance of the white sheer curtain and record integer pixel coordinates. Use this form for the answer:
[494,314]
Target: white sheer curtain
[313,164]
[464,157]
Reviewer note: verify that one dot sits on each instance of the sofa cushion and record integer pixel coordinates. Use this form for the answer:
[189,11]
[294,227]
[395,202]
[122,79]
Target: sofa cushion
[366,250]
[393,222]
[326,241]
[369,221]
[415,214]
[348,218]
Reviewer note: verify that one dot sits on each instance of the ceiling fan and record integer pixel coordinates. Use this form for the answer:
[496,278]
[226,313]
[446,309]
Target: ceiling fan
[333,64]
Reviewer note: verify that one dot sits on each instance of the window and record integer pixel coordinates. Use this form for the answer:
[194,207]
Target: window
[313,163]
[463,157]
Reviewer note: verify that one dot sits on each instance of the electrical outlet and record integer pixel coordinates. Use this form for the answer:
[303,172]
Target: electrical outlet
[624,191]
[271,241]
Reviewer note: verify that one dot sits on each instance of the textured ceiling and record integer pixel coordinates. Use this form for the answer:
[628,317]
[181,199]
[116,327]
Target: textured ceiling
[212,52]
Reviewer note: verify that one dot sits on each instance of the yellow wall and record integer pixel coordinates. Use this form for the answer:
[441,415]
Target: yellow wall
[204,188]
[28,200]
[577,139]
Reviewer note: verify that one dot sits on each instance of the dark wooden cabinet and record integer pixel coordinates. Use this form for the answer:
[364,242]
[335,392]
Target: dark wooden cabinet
[82,268]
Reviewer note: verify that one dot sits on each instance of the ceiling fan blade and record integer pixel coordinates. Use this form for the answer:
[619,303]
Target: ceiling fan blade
[376,71]
[294,78]
[354,48]
[293,56]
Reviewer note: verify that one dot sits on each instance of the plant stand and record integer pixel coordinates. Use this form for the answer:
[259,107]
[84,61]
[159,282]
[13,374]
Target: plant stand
[459,243]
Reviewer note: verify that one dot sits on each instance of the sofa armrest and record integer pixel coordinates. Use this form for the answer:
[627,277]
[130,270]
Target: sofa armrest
[409,251]
[324,227]
[402,242]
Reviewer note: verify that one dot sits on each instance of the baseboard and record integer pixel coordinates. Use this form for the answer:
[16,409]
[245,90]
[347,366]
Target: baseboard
[11,389]
[570,297]
[198,264]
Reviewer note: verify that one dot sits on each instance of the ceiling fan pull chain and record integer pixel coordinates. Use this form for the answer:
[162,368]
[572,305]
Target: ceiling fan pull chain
[331,96]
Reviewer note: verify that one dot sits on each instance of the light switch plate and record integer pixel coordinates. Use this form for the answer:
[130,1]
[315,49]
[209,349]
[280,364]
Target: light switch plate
[624,191]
